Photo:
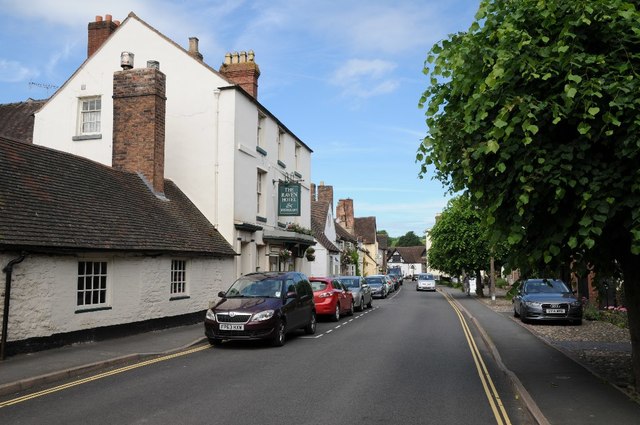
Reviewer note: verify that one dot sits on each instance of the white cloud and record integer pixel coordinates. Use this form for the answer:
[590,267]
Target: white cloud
[14,72]
[362,78]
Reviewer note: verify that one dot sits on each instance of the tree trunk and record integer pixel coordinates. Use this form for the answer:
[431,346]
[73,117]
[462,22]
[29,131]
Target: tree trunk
[631,273]
[479,284]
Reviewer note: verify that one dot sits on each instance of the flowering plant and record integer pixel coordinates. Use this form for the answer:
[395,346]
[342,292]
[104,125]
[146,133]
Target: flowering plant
[285,254]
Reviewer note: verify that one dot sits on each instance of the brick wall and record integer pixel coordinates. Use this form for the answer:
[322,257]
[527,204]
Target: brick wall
[139,123]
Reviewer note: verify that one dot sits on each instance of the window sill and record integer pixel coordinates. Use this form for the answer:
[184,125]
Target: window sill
[261,151]
[86,137]
[297,174]
[179,297]
[282,164]
[261,219]
[92,309]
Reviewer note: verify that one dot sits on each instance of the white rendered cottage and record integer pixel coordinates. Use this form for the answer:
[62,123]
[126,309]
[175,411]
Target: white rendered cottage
[223,148]
[88,249]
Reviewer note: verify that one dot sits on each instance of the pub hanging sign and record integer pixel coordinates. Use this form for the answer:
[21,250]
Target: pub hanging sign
[288,199]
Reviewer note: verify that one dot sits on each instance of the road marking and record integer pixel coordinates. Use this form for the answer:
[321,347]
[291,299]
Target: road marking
[340,325]
[495,402]
[100,376]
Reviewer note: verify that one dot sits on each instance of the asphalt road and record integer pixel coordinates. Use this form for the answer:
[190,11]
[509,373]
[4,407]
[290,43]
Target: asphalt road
[408,360]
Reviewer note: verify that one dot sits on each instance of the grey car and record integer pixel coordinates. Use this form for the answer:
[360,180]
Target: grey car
[546,299]
[361,291]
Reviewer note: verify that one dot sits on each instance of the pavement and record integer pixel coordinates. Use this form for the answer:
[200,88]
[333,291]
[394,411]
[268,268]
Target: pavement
[555,388]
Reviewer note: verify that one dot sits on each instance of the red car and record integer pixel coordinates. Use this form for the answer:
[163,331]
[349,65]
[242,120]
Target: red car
[331,297]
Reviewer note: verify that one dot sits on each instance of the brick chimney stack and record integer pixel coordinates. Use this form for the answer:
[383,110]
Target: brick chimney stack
[344,214]
[99,31]
[193,49]
[139,123]
[325,194]
[241,69]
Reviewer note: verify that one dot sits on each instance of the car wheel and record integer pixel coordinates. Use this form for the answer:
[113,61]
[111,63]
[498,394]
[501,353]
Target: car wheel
[336,316]
[350,312]
[370,302]
[515,312]
[310,329]
[215,341]
[280,336]
[361,306]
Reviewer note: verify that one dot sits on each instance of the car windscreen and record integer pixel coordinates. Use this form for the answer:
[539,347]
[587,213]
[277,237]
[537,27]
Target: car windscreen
[318,286]
[426,277]
[350,283]
[546,286]
[251,288]
[374,280]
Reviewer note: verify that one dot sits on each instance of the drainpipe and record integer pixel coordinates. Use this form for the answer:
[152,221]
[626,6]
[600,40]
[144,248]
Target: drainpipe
[7,296]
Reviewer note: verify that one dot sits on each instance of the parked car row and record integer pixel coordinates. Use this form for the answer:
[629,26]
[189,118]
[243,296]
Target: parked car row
[269,305]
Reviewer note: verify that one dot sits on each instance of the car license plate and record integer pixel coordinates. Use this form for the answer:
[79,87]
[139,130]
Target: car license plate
[555,311]
[231,327]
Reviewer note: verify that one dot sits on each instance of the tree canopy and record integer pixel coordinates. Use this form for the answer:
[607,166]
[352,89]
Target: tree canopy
[534,112]
[458,241]
[409,239]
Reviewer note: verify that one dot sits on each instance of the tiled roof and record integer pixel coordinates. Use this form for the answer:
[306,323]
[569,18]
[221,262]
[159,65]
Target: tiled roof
[411,254]
[16,120]
[53,201]
[343,234]
[365,228]
[383,241]
[319,212]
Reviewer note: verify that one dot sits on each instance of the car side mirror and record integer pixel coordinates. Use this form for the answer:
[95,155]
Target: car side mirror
[222,294]
[291,295]
[364,285]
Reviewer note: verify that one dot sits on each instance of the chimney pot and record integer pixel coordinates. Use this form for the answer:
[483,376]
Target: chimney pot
[153,64]
[240,69]
[108,18]
[126,60]
[98,18]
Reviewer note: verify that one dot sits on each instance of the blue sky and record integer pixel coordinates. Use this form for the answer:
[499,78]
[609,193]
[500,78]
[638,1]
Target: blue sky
[344,75]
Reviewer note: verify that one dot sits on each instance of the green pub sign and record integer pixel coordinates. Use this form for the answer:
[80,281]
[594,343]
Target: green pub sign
[289,199]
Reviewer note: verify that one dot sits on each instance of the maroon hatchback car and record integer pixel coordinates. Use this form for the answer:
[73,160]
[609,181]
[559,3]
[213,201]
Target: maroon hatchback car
[262,306]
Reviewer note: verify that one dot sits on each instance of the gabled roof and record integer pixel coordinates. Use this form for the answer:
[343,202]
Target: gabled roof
[410,254]
[319,212]
[365,228]
[343,234]
[52,201]
[16,120]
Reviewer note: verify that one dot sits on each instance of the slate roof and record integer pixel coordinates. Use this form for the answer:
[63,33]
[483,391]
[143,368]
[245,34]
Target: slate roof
[319,212]
[16,120]
[365,228]
[410,254]
[51,201]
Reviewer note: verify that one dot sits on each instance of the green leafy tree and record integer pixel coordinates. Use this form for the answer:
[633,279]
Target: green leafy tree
[534,112]
[458,241]
[409,239]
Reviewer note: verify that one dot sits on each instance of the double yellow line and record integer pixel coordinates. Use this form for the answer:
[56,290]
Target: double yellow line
[100,376]
[487,383]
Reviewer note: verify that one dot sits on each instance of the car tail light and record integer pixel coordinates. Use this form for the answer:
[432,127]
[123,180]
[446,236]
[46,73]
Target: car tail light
[325,295]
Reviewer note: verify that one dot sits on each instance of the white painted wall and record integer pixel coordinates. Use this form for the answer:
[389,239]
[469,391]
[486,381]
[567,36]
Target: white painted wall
[43,293]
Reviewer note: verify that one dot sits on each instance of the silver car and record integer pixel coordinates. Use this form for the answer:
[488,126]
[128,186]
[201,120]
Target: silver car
[426,282]
[362,297]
